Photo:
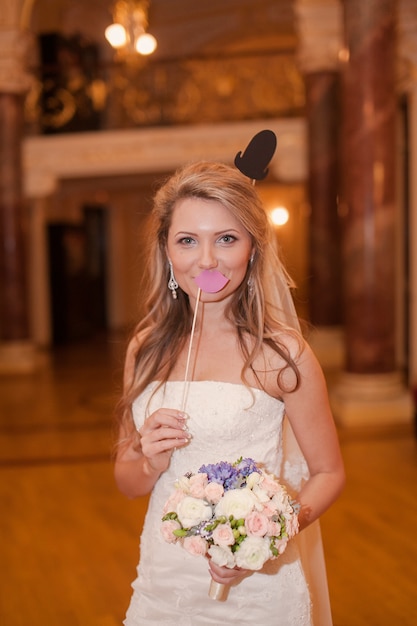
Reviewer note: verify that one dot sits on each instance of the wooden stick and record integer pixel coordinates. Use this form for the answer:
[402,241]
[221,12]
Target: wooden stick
[187,367]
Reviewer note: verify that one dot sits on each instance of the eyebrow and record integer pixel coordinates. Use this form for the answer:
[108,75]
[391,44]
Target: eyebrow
[216,234]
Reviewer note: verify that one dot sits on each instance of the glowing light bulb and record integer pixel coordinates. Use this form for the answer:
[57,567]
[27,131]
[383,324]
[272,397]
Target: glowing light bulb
[146,44]
[280,216]
[116,35]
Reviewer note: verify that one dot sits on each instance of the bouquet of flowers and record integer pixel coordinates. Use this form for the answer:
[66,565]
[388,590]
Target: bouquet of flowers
[234,512]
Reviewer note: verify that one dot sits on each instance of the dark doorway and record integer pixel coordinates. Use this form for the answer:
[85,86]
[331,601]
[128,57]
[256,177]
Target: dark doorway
[77,260]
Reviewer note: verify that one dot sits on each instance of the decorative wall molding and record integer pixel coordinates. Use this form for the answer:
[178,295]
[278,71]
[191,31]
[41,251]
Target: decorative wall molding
[49,159]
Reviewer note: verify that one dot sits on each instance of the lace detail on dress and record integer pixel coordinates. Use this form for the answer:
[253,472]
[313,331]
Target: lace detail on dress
[226,421]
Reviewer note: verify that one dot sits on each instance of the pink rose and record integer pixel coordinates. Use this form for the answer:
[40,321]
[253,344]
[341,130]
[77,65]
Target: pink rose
[270,485]
[173,501]
[256,524]
[223,535]
[197,546]
[213,492]
[197,484]
[167,530]
[274,529]
[269,508]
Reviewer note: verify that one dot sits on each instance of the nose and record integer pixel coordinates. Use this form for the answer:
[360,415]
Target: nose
[207,259]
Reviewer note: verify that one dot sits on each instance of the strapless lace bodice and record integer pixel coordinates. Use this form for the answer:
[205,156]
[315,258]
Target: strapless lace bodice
[226,421]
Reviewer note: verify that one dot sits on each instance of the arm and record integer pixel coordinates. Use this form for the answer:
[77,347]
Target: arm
[142,457]
[310,416]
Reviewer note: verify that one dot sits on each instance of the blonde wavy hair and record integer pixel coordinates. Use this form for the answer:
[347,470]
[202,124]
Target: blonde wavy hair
[261,308]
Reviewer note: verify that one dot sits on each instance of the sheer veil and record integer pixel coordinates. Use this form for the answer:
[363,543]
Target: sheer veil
[294,471]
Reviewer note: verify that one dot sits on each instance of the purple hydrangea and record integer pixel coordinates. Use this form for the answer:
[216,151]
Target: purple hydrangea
[231,476]
[223,473]
[246,467]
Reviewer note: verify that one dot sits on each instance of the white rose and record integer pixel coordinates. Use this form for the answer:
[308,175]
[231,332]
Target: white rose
[253,553]
[192,511]
[222,556]
[236,502]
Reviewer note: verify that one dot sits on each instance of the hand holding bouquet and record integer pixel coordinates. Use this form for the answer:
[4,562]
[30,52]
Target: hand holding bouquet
[236,513]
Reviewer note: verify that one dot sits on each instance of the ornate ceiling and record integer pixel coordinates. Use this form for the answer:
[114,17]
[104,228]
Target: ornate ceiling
[182,27]
[215,61]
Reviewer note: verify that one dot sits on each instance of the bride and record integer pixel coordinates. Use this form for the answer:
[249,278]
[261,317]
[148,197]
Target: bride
[248,385]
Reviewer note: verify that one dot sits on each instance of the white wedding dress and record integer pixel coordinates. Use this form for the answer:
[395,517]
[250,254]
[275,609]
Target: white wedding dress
[227,421]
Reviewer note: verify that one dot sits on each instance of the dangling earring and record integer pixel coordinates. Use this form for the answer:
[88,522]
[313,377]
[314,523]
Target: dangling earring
[250,279]
[172,283]
[250,285]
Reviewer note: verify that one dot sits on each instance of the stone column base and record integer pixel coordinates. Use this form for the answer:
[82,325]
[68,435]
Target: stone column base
[19,357]
[371,400]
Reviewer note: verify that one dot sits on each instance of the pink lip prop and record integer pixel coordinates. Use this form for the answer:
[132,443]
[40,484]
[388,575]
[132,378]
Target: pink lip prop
[211,281]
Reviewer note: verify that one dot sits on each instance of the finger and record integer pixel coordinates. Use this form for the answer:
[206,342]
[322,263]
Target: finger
[165,417]
[156,448]
[169,436]
[225,574]
[162,445]
[162,432]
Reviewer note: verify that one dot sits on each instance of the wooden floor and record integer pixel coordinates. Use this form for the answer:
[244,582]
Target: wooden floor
[69,540]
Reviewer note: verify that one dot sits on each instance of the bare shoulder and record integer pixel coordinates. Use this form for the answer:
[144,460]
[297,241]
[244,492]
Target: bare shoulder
[311,380]
[300,351]
[290,345]
[292,366]
[278,366]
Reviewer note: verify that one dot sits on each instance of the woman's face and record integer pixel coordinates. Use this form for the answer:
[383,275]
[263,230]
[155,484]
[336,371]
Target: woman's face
[204,235]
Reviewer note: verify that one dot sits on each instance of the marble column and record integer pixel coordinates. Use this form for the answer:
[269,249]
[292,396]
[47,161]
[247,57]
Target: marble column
[371,389]
[322,95]
[319,26]
[14,324]
[16,351]
[369,184]
[408,87]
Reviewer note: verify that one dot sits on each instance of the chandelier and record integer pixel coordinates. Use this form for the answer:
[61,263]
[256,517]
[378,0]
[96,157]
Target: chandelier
[128,33]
